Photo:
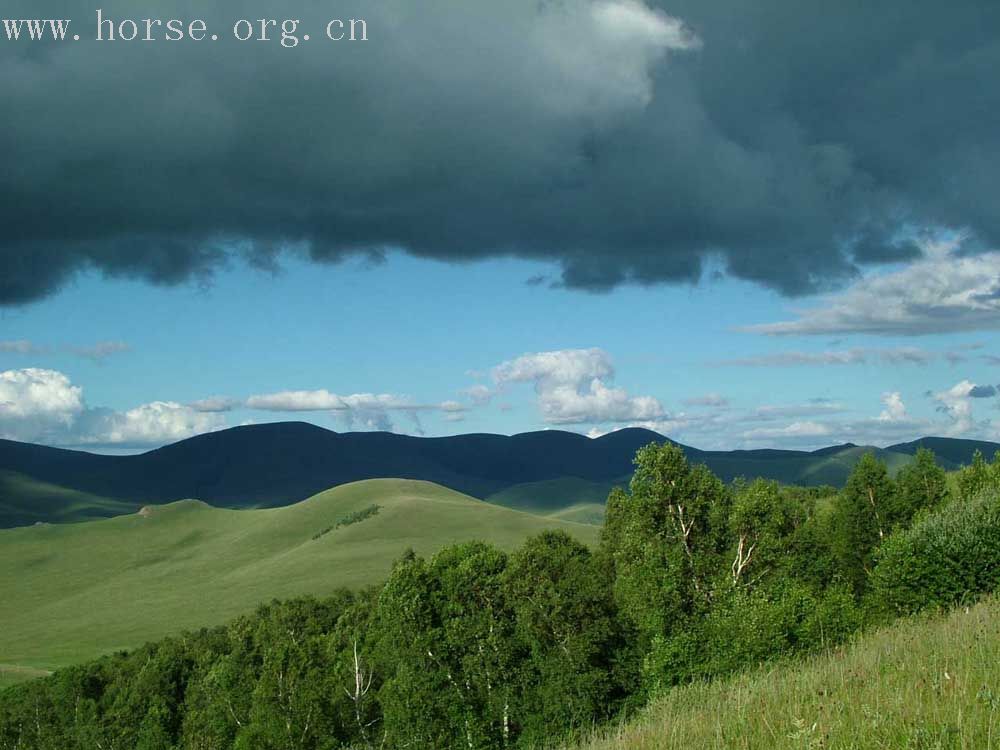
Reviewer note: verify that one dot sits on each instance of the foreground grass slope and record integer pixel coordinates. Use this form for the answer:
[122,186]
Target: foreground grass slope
[72,592]
[924,683]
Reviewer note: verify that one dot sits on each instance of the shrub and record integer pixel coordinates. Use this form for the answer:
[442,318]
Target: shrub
[359,515]
[950,557]
[355,517]
[746,628]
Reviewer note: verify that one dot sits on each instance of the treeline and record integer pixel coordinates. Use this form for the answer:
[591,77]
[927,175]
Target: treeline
[476,648]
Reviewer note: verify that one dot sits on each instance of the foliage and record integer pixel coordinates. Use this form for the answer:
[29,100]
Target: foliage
[920,485]
[979,477]
[359,515]
[351,518]
[664,540]
[863,516]
[949,557]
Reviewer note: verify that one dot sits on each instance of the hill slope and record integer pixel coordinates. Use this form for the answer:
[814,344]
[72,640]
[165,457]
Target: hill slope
[71,592]
[24,501]
[278,464]
[917,684]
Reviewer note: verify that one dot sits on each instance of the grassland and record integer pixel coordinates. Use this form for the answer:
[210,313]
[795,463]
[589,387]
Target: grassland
[930,683]
[24,501]
[71,592]
[566,498]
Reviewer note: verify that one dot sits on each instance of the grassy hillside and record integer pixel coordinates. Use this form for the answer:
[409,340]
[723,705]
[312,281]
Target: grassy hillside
[566,497]
[918,684]
[24,501]
[592,513]
[71,592]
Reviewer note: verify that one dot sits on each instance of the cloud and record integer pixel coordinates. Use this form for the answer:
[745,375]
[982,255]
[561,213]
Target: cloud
[479,394]
[358,410]
[99,351]
[942,293]
[44,406]
[770,413]
[324,400]
[35,403]
[821,423]
[983,391]
[895,409]
[796,431]
[21,346]
[572,386]
[709,399]
[615,140]
[956,403]
[855,356]
[321,400]
[893,424]
[215,404]
[147,425]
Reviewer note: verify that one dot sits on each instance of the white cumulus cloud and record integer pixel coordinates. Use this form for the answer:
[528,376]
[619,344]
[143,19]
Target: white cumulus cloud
[45,406]
[150,424]
[36,402]
[573,387]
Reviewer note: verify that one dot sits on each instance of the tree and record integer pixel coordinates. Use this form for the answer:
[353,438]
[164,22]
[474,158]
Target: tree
[445,640]
[979,476]
[920,484]
[760,521]
[567,628]
[664,539]
[862,513]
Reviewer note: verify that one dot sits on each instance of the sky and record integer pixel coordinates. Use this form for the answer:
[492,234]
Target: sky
[775,225]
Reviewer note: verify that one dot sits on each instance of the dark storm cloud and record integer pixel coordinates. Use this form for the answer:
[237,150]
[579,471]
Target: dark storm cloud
[792,139]
[982,391]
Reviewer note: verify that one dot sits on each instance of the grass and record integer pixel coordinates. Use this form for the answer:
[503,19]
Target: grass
[569,498]
[592,513]
[24,501]
[71,592]
[921,684]
[11,674]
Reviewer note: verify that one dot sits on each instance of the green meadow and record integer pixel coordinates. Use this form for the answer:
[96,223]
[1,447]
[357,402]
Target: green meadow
[927,682]
[76,591]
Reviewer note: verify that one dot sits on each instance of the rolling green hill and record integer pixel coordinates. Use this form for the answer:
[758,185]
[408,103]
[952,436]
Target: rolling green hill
[71,592]
[924,683]
[274,465]
[569,498]
[24,501]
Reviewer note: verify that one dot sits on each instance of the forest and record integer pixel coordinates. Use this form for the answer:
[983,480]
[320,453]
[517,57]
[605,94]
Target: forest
[693,579]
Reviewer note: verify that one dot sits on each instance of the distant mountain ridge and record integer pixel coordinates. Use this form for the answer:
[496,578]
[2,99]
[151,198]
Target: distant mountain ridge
[281,463]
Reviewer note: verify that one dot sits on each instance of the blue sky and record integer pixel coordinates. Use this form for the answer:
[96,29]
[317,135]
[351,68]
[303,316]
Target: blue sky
[419,334]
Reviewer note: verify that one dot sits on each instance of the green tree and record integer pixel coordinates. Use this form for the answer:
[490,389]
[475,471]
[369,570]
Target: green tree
[445,644]
[920,485]
[664,540]
[979,476]
[760,523]
[566,624]
[861,519]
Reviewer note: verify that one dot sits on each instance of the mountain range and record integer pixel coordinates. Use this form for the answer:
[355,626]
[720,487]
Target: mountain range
[279,464]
